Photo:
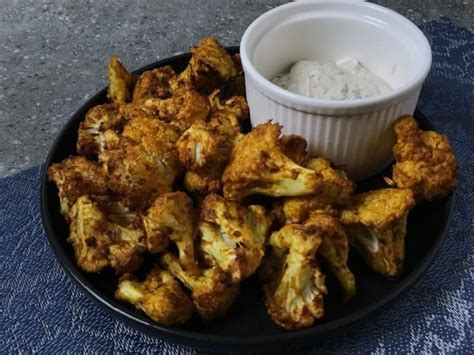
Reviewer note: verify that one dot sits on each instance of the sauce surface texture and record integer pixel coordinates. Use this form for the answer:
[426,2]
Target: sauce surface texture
[346,79]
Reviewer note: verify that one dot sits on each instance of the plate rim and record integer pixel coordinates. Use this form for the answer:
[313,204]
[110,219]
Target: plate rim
[210,341]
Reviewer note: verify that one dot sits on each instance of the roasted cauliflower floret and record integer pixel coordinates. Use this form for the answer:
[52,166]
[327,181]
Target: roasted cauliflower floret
[233,110]
[120,82]
[203,144]
[210,66]
[335,186]
[376,226]
[74,177]
[233,235]
[258,166]
[129,112]
[154,83]
[160,297]
[181,110]
[98,243]
[171,218]
[425,162]
[158,139]
[103,125]
[203,182]
[211,290]
[298,209]
[294,147]
[204,149]
[293,284]
[334,249]
[89,239]
[335,190]
[146,163]
[100,130]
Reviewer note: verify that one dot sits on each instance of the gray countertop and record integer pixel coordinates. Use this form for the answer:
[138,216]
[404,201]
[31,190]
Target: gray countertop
[53,54]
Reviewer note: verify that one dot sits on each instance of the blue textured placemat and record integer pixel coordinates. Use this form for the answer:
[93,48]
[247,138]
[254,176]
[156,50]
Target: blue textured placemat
[42,311]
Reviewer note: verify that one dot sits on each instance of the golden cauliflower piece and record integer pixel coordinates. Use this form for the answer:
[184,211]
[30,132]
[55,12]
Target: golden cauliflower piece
[160,296]
[146,163]
[335,190]
[233,235]
[181,110]
[334,249]
[91,249]
[171,218]
[154,83]
[155,138]
[120,82]
[211,290]
[298,209]
[258,166]
[129,112]
[100,130]
[74,177]
[203,143]
[293,284]
[203,183]
[376,225]
[425,162]
[294,147]
[204,149]
[336,186]
[233,110]
[103,125]
[209,67]
[98,243]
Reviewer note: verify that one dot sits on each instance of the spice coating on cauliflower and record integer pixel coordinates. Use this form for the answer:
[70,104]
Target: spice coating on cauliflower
[171,218]
[293,284]
[99,131]
[334,249]
[98,243]
[258,166]
[159,296]
[146,163]
[205,148]
[154,83]
[234,235]
[181,110]
[376,225]
[209,66]
[425,162]
[74,177]
[211,290]
[335,190]
[120,82]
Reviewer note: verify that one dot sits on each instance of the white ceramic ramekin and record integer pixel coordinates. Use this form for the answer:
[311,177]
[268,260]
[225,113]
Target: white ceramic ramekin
[355,133]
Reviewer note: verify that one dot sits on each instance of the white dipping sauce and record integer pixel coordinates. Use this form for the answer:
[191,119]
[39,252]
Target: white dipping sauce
[344,80]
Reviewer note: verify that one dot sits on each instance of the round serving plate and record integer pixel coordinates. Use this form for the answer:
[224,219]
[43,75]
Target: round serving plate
[247,325]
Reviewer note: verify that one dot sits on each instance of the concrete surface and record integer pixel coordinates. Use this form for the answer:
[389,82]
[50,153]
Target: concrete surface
[53,53]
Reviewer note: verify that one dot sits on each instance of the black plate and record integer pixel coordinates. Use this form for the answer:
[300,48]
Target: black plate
[247,326]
